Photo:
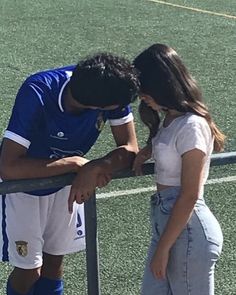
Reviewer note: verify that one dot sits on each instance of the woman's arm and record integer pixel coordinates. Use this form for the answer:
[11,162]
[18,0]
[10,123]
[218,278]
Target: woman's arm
[143,155]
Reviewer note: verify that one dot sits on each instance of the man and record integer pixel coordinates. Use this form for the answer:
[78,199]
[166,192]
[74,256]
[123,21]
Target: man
[57,116]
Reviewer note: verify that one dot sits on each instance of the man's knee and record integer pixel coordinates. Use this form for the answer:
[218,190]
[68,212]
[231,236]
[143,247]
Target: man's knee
[22,280]
[52,266]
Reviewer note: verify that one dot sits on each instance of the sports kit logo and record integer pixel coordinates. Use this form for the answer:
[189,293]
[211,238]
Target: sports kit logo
[58,153]
[59,135]
[79,225]
[21,248]
[79,228]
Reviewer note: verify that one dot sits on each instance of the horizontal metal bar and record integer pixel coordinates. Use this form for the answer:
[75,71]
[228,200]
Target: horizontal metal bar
[27,185]
[223,159]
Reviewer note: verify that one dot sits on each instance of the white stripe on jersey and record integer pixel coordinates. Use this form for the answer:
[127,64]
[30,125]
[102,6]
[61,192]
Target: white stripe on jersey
[121,121]
[60,94]
[17,138]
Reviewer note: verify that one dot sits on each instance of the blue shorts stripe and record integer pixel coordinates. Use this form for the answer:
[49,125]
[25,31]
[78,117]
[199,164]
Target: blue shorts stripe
[4,234]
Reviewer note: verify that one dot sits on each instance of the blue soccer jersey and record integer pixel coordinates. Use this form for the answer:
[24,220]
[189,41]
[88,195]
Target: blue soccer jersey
[40,123]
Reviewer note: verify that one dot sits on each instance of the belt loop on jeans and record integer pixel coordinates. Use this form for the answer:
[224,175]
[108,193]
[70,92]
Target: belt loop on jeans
[156,198]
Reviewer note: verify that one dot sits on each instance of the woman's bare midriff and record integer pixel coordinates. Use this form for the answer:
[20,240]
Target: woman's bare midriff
[161,187]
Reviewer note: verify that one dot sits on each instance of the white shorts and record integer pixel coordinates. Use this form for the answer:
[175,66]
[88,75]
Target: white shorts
[32,225]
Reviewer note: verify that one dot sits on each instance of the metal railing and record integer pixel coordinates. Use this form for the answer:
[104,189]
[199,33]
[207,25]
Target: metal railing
[92,262]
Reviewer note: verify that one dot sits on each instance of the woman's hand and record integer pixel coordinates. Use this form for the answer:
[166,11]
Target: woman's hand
[159,263]
[142,156]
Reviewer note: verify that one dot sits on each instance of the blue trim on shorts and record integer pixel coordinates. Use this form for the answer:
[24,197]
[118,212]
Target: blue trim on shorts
[4,233]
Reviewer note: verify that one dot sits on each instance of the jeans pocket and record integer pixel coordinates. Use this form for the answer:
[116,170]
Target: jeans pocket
[210,225]
[167,204]
[153,203]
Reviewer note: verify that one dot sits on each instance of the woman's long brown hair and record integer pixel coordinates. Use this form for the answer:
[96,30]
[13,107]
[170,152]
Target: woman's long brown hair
[150,118]
[166,79]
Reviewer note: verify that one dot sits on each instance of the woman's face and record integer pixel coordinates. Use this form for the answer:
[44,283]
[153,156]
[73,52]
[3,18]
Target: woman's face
[150,102]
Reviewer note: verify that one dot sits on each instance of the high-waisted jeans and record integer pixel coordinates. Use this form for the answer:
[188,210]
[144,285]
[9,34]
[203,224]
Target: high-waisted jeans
[192,259]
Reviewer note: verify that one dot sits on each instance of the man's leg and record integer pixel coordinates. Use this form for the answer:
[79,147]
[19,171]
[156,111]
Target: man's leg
[23,241]
[71,228]
[50,282]
[21,281]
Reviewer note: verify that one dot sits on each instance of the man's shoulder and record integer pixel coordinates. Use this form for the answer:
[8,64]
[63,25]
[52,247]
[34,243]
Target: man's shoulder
[51,74]
[44,85]
[47,81]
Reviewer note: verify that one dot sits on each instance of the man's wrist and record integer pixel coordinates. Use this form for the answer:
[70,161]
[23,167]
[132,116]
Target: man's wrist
[100,165]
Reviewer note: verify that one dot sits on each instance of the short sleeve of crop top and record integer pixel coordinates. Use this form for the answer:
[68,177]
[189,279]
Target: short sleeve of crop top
[194,135]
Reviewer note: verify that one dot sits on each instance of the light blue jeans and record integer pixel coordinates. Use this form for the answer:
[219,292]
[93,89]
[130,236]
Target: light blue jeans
[190,269]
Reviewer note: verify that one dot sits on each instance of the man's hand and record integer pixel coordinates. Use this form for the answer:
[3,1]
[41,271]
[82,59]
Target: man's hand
[98,172]
[142,156]
[88,178]
[103,180]
[78,161]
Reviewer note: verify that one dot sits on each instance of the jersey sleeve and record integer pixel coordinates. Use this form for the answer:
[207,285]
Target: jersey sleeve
[194,135]
[26,114]
[120,116]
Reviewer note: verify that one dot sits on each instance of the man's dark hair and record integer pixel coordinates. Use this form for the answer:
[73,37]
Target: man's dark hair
[104,80]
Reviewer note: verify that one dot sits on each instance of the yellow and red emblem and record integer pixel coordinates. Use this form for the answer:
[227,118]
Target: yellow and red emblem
[22,248]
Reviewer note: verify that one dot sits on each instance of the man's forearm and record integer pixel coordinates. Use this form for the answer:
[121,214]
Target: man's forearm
[24,167]
[120,158]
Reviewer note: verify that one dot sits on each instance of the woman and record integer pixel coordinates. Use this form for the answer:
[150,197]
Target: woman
[186,237]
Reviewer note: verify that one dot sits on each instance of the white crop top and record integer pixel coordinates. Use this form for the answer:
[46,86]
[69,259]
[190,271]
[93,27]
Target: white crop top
[183,134]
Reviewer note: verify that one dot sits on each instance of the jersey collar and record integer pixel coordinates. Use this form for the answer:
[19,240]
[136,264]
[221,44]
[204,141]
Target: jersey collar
[69,74]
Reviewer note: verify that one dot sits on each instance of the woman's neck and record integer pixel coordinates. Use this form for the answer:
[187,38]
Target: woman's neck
[170,116]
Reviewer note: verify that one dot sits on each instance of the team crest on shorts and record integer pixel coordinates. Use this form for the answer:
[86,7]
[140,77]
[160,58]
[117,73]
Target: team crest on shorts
[21,248]
[100,122]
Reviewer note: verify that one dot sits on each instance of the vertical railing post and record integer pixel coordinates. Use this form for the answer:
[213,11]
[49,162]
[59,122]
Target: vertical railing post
[92,256]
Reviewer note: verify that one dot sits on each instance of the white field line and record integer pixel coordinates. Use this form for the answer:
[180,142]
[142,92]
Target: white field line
[194,9]
[152,188]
